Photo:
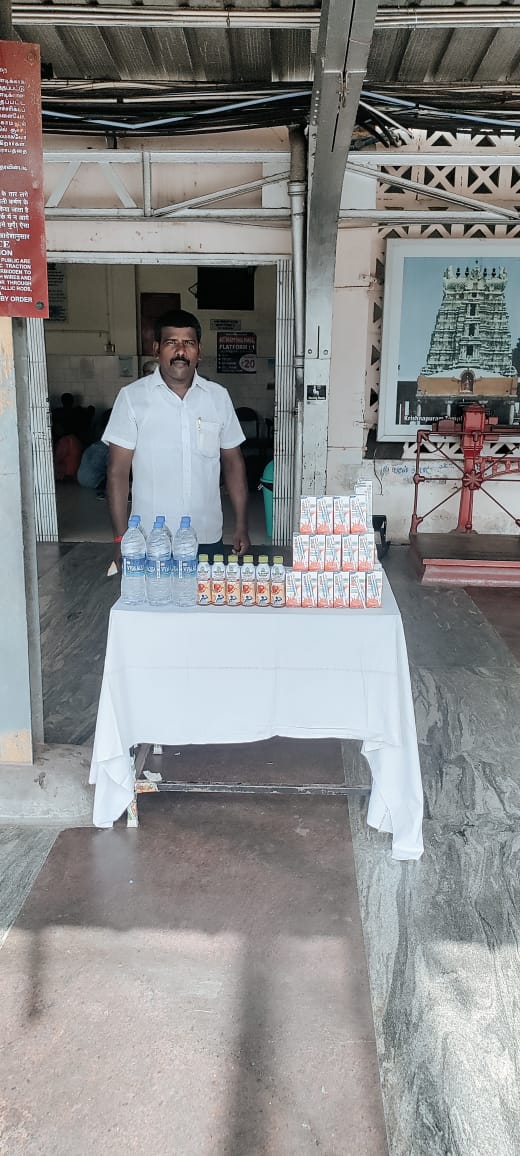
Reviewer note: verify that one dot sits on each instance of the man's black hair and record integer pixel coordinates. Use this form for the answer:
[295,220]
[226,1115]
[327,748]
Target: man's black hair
[177,319]
[67,400]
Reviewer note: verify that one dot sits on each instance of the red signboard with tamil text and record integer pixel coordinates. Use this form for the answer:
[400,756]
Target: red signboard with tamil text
[23,265]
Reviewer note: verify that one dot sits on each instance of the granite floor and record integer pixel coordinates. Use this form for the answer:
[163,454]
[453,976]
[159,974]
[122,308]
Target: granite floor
[197,988]
[83,516]
[441,935]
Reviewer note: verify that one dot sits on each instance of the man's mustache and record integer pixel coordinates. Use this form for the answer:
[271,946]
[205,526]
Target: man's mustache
[183,360]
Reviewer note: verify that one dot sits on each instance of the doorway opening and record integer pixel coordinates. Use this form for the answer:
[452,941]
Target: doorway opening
[98,339]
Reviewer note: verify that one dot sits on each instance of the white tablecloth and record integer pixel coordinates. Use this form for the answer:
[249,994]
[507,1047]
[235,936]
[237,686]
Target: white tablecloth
[233,675]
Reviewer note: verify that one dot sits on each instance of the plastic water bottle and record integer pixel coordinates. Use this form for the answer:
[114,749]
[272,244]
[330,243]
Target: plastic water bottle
[184,568]
[133,564]
[158,566]
[161,520]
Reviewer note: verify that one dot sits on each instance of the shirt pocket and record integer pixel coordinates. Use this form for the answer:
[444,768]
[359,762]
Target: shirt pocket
[208,438]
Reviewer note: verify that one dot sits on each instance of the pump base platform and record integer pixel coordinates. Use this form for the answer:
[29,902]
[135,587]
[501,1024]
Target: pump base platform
[466,559]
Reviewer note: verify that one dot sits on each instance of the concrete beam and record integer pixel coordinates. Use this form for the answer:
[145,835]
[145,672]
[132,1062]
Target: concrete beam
[346,30]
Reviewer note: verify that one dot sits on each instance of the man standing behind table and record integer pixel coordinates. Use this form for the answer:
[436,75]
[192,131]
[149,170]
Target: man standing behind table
[175,430]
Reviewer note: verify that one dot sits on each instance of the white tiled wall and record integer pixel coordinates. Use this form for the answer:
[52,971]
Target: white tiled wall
[102,302]
[92,380]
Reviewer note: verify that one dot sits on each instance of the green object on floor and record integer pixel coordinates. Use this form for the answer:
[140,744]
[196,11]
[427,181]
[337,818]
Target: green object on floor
[266,485]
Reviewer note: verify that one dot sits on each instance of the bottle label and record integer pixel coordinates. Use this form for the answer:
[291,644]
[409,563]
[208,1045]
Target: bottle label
[184,567]
[204,592]
[158,567]
[133,567]
[277,593]
[218,592]
[248,593]
[233,591]
[263,593]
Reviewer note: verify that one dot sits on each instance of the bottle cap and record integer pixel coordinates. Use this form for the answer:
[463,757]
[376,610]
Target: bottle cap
[134,520]
[185,521]
[263,558]
[218,557]
[160,520]
[203,557]
[248,557]
[278,561]
[232,557]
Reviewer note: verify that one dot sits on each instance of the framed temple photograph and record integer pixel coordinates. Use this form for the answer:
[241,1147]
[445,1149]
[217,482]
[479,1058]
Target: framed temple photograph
[451,333]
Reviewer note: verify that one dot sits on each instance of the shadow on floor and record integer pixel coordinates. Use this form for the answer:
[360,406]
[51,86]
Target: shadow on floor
[197,987]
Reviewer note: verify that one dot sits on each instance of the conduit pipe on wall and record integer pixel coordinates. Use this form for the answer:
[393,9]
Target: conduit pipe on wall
[297,196]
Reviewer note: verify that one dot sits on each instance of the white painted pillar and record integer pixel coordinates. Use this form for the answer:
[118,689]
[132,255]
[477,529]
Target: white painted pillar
[284,412]
[351,345]
[31,357]
[15,694]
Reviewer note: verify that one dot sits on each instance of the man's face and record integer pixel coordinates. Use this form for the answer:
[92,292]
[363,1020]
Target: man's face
[178,352]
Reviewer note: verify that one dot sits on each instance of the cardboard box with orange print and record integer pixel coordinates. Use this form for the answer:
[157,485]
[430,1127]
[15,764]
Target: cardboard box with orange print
[325,589]
[293,588]
[341,590]
[309,588]
[357,591]
[325,515]
[308,515]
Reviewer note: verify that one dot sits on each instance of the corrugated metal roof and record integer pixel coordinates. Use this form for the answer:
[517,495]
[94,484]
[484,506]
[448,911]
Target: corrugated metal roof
[462,55]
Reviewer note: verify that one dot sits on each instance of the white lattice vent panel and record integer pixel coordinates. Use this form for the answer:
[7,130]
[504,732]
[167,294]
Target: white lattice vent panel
[373,361]
[497,184]
[449,232]
[429,139]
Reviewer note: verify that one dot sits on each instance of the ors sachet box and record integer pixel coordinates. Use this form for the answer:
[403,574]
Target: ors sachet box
[365,487]
[357,591]
[349,552]
[367,550]
[309,588]
[293,588]
[316,552]
[332,552]
[300,552]
[341,589]
[325,515]
[308,515]
[342,514]
[325,589]
[358,514]
[374,588]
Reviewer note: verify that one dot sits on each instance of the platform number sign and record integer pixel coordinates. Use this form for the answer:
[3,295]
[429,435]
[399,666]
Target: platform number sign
[236,352]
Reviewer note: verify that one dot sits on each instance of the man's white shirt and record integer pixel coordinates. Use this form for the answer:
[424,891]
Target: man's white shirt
[176,444]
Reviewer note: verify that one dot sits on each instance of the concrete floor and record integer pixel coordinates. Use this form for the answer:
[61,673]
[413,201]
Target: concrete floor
[83,517]
[199,986]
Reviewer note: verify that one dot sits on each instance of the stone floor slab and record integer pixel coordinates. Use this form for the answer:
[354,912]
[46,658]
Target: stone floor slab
[197,986]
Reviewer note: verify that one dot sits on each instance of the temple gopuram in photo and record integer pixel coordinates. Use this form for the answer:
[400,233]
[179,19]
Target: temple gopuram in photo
[470,347]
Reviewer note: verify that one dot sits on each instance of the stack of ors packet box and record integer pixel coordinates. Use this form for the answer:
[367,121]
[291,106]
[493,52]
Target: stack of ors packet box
[334,554]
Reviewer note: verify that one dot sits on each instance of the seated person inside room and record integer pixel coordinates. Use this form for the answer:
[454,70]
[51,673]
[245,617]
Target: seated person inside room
[71,432]
[72,420]
[92,472]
